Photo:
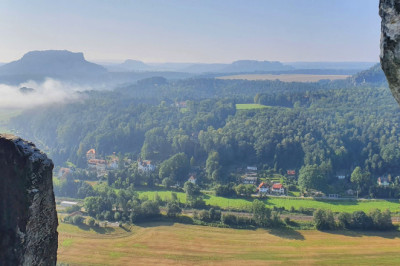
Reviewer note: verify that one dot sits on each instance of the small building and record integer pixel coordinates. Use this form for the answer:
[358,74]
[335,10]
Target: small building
[68,203]
[341,175]
[182,104]
[291,172]
[145,166]
[91,154]
[113,162]
[192,179]
[98,165]
[333,196]
[278,188]
[263,188]
[350,192]
[383,181]
[63,173]
[250,180]
[251,168]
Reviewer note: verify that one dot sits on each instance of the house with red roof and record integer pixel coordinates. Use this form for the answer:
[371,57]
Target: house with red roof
[192,179]
[146,166]
[278,188]
[91,154]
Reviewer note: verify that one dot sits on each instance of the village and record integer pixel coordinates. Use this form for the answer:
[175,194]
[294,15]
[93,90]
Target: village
[101,167]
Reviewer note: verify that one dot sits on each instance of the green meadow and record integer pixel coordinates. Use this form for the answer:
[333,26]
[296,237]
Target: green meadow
[287,202]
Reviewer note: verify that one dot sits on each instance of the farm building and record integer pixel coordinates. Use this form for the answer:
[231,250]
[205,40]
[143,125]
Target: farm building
[91,154]
[250,180]
[383,181]
[192,179]
[145,166]
[251,168]
[278,188]
[291,172]
[263,188]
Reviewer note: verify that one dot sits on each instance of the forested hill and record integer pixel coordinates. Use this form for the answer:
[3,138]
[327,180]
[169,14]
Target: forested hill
[335,125]
[371,75]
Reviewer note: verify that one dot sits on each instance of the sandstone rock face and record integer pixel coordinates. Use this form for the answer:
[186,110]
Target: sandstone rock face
[389,10]
[28,217]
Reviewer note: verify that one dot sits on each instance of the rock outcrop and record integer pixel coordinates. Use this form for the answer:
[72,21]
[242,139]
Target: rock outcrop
[28,217]
[389,10]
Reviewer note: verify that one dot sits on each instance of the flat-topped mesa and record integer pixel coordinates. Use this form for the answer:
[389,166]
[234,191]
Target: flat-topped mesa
[389,10]
[28,217]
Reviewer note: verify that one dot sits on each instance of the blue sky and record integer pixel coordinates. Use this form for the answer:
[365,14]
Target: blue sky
[193,31]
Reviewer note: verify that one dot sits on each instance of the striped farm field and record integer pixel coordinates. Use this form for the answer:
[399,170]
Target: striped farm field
[179,244]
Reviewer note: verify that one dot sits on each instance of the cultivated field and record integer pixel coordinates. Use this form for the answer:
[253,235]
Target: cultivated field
[250,106]
[334,205]
[178,244]
[286,77]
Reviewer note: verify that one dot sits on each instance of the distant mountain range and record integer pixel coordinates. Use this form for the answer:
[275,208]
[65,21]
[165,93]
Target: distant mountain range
[69,66]
[332,65]
[200,68]
[72,67]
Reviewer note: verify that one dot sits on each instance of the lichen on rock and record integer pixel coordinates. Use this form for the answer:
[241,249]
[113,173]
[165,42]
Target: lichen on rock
[389,10]
[28,217]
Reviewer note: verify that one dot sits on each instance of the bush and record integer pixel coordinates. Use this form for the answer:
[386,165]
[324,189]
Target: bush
[381,221]
[173,209]
[215,215]
[245,221]
[324,220]
[204,216]
[117,216]
[77,219]
[229,219]
[359,220]
[225,190]
[72,209]
[90,221]
[344,220]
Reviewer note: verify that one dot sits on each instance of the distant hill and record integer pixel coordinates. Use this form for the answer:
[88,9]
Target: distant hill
[51,63]
[332,65]
[371,75]
[242,66]
[130,66]
[255,66]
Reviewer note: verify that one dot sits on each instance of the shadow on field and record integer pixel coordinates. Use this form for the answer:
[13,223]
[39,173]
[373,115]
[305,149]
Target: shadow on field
[99,230]
[155,224]
[286,233]
[338,202]
[390,234]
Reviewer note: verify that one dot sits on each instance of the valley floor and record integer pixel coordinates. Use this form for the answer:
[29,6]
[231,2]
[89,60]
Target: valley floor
[179,244]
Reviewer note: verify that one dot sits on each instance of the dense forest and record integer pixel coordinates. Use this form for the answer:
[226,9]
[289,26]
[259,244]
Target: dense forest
[329,126]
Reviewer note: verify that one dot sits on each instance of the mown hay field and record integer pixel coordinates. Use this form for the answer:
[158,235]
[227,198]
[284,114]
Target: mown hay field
[250,106]
[179,244]
[286,77]
[288,202]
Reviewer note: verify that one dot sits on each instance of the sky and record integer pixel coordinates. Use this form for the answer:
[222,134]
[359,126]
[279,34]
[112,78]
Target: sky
[206,31]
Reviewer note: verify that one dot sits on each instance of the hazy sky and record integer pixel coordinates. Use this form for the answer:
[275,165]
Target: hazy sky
[193,31]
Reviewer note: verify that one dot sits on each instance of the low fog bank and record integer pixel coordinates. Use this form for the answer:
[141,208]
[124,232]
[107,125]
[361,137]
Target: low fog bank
[49,91]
